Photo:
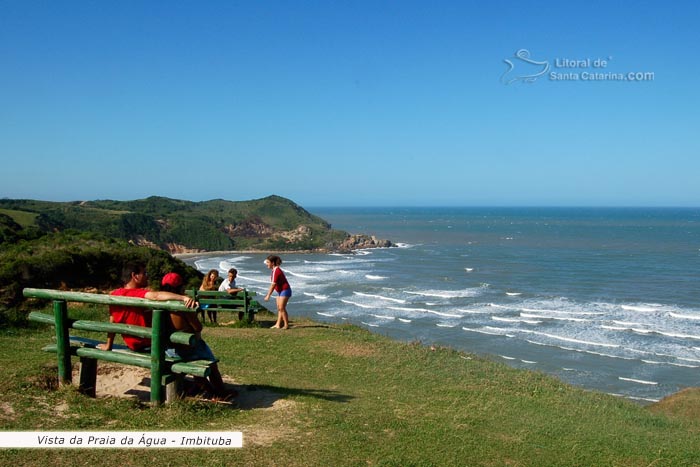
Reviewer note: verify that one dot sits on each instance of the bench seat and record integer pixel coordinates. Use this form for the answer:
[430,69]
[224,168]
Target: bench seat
[84,347]
[241,302]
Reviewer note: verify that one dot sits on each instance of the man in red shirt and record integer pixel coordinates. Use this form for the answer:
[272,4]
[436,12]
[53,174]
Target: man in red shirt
[135,282]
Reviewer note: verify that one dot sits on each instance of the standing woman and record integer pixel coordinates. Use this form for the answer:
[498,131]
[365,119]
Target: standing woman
[281,286]
[209,283]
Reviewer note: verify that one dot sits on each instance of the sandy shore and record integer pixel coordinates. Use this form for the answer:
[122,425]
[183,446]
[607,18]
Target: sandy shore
[184,256]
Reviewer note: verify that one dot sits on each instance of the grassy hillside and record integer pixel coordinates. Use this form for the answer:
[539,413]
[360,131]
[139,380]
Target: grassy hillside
[320,395]
[177,225]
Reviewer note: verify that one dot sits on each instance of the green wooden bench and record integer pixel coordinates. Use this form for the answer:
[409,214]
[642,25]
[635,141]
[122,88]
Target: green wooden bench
[167,374]
[241,302]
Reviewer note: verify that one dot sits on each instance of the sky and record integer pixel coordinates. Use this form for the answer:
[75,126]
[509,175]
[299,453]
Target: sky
[352,103]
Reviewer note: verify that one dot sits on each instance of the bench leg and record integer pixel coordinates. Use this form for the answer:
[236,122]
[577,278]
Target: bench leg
[174,388]
[88,376]
[158,343]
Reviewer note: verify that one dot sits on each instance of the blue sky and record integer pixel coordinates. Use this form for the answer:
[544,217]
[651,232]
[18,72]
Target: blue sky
[351,103]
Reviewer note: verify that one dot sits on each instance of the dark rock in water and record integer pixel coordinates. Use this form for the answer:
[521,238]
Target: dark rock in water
[362,241]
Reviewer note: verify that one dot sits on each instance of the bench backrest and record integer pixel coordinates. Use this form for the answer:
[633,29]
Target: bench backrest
[103,299]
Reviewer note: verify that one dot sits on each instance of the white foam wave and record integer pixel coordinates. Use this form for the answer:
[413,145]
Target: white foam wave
[236,259]
[380,297]
[681,316]
[425,310]
[638,381]
[513,294]
[643,309]
[484,330]
[372,277]
[627,323]
[252,279]
[361,305]
[688,359]
[296,274]
[370,324]
[571,339]
[404,320]
[515,320]
[558,312]
[475,312]
[384,317]
[625,328]
[444,325]
[330,315]
[675,335]
[446,293]
[507,358]
[678,335]
[635,398]
[556,318]
[316,296]
[571,349]
[469,269]
[682,365]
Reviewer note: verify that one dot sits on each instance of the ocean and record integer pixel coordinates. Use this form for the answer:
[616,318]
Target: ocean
[606,299]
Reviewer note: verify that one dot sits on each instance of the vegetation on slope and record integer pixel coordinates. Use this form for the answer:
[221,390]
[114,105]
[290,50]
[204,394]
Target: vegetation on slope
[73,260]
[177,226]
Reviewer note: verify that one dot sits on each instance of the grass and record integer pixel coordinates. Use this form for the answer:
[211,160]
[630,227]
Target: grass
[23,218]
[320,395]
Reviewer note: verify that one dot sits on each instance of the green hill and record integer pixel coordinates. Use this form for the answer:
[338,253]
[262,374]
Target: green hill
[176,226]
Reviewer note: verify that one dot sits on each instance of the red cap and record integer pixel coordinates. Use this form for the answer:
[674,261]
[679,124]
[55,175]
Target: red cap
[172,279]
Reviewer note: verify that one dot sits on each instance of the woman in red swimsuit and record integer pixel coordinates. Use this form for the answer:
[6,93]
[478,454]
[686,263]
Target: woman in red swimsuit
[281,286]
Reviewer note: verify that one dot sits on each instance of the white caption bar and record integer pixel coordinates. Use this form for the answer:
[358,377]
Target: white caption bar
[121,439]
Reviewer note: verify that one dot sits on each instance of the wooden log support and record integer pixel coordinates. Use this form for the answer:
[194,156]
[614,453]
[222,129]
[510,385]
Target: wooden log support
[158,357]
[88,376]
[65,370]
[103,299]
[127,358]
[174,388]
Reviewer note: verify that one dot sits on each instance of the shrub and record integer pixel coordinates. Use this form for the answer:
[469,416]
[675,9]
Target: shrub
[73,260]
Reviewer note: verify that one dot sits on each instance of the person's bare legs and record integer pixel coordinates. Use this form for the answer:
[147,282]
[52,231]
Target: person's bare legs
[217,383]
[282,316]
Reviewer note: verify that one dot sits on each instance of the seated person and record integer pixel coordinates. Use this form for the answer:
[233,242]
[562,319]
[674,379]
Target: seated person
[209,283]
[229,284]
[135,281]
[188,322]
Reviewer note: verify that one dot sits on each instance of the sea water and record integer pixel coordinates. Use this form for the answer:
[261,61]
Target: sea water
[606,299]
